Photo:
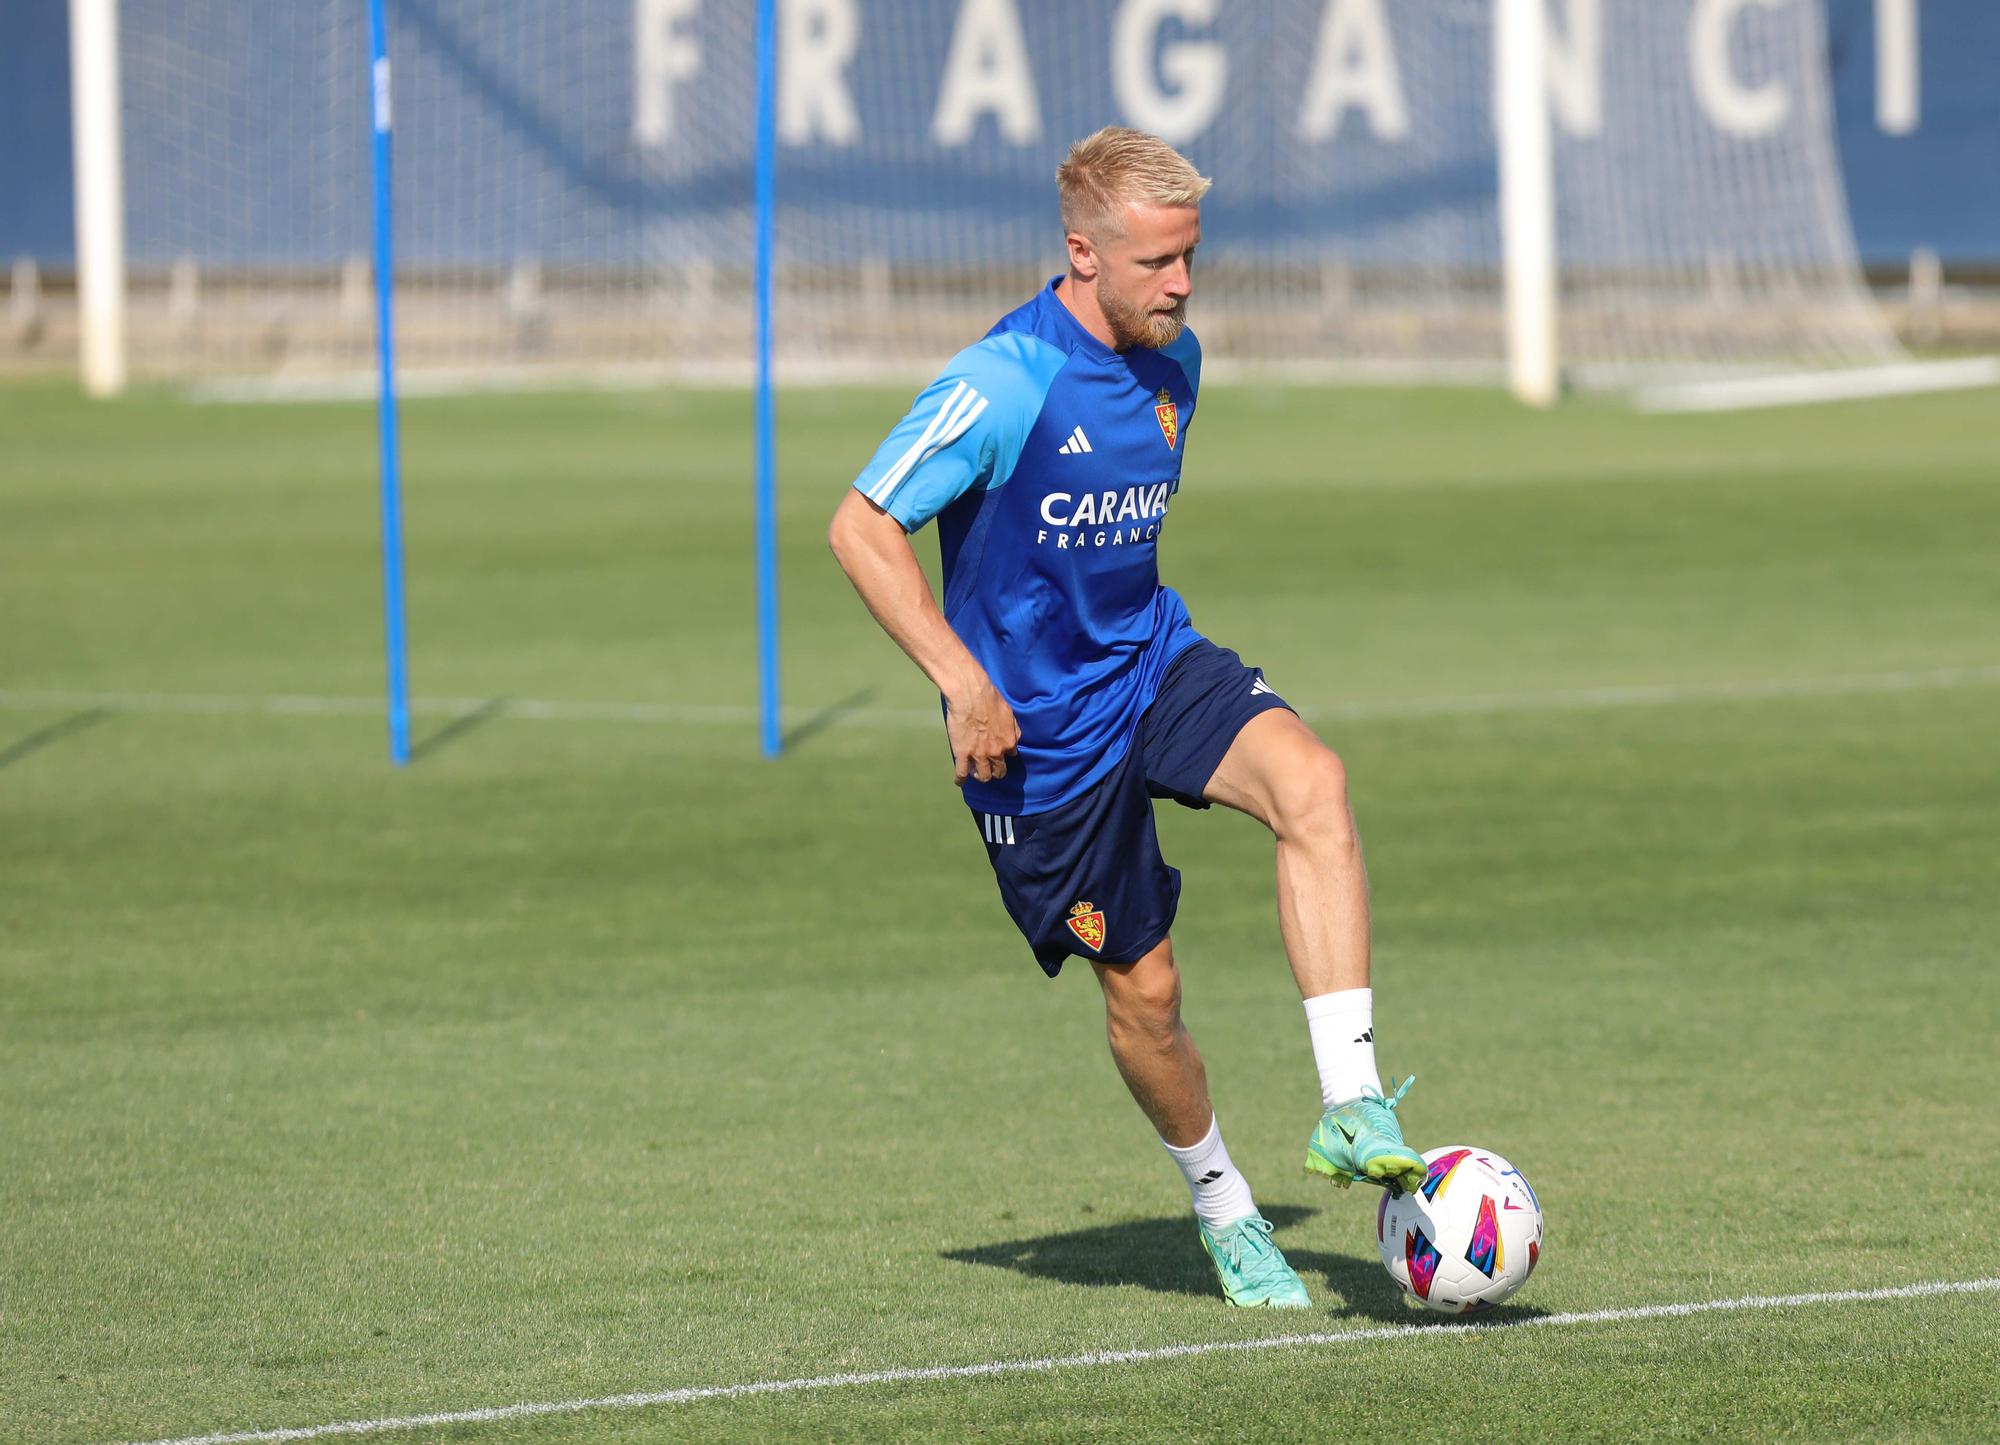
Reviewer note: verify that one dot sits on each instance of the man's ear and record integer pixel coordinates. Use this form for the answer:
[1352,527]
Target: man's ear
[1082,255]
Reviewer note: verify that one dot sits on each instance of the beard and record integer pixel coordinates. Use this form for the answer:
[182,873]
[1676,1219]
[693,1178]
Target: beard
[1131,326]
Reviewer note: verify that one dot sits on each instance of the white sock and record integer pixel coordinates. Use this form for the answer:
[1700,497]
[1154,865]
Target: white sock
[1343,1035]
[1221,1193]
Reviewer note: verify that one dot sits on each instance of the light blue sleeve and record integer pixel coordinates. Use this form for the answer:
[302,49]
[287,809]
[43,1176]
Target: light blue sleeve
[1185,352]
[965,431]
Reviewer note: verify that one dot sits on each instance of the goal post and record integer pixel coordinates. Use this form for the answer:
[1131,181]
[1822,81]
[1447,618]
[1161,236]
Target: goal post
[99,181]
[1526,144]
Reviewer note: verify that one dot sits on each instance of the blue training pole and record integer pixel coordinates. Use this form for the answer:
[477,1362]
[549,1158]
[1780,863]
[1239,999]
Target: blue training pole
[767,489]
[385,404]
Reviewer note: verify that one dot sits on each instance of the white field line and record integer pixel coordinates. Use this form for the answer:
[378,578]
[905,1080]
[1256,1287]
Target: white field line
[736,714]
[1805,388]
[1096,1359]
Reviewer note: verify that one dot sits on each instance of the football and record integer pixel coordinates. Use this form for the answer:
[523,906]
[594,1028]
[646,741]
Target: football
[1468,1238]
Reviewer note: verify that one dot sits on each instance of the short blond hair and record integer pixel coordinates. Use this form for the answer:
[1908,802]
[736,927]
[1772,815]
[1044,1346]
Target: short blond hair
[1118,167]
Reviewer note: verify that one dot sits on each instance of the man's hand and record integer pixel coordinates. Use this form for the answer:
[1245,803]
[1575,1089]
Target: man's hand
[982,731]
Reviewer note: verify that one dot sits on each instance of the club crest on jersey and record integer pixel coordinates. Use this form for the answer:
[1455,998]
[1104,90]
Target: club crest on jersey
[1170,420]
[1087,923]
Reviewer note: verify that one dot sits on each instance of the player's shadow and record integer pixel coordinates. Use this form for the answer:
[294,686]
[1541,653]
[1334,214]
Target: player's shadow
[1165,1255]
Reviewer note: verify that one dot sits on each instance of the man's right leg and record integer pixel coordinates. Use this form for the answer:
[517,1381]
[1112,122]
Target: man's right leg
[1152,1047]
[1086,881]
[1162,1067]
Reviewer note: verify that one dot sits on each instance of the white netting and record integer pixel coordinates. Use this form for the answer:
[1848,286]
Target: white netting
[1702,221]
[246,185]
[573,184]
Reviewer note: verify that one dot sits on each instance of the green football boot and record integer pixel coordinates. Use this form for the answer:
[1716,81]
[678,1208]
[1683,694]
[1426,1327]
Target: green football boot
[1253,1273]
[1362,1140]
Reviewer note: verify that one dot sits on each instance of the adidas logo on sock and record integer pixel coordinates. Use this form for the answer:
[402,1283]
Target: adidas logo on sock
[1367,1036]
[1210,1177]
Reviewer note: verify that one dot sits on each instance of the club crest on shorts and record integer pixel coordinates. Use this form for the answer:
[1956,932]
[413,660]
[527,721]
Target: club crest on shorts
[1087,923]
[1170,419]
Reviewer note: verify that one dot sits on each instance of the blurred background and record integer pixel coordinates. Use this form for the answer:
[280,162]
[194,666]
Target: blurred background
[1732,184]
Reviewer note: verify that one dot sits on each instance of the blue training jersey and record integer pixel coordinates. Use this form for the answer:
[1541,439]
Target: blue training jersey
[1049,460]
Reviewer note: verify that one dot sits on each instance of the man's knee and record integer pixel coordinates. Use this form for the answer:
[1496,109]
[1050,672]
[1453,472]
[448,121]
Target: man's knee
[1310,804]
[1143,1001]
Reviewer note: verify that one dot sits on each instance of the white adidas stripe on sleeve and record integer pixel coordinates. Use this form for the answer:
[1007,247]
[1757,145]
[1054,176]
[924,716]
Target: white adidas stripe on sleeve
[960,410]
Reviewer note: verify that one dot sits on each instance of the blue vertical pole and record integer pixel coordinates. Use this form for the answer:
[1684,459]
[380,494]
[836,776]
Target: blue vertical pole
[767,489]
[385,405]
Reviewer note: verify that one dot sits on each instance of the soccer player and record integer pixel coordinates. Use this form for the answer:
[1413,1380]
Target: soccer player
[1076,688]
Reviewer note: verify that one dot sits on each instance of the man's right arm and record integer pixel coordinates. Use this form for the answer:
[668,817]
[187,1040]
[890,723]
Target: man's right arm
[875,552]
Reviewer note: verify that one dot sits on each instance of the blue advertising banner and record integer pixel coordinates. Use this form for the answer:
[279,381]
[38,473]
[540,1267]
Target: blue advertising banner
[953,108]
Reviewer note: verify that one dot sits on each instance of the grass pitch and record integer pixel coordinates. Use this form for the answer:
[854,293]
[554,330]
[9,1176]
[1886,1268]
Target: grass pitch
[591,1056]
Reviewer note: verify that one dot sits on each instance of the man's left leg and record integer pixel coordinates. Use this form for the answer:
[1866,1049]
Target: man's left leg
[1278,772]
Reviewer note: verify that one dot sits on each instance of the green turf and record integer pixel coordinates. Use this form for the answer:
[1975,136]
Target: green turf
[589,1057]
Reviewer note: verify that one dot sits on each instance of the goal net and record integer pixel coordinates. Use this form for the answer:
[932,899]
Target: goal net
[573,183]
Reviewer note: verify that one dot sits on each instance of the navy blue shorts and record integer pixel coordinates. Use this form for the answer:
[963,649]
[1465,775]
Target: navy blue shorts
[1086,880]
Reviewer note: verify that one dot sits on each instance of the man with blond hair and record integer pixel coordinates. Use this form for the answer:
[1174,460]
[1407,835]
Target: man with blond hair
[1076,688]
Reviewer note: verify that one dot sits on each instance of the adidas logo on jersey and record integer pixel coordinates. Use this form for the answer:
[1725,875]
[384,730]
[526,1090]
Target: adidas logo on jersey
[1076,446]
[1257,687]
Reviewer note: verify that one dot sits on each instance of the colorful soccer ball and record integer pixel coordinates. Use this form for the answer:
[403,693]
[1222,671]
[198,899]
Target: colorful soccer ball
[1468,1238]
